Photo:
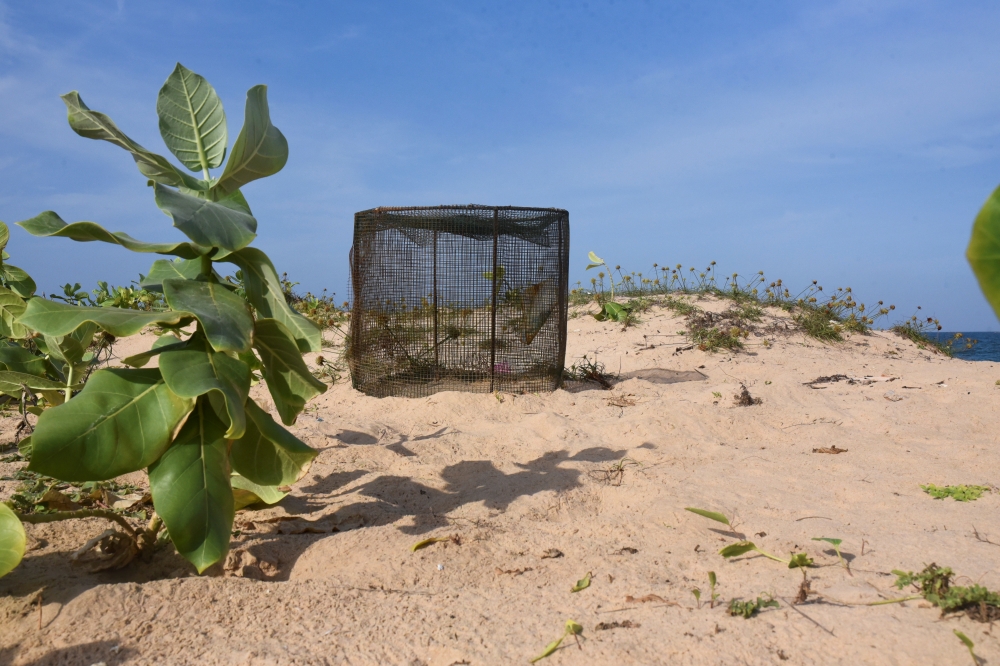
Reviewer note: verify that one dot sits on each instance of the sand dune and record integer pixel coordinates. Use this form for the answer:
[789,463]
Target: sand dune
[602,477]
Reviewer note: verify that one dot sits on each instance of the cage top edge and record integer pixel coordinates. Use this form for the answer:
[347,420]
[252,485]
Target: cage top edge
[392,209]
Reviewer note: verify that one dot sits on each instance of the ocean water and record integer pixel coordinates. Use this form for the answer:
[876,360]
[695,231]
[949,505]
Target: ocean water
[987,349]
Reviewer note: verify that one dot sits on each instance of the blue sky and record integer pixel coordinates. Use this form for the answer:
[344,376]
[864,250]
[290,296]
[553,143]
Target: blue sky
[848,142]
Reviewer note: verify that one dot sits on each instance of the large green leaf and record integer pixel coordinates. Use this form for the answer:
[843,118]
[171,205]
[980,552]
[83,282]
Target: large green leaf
[18,281]
[4,236]
[49,224]
[268,454]
[191,491]
[56,319]
[260,149]
[246,492]
[288,379]
[96,125]
[219,224]
[19,359]
[11,307]
[165,269]
[983,252]
[223,315]
[122,421]
[194,369]
[11,382]
[192,122]
[263,288]
[12,540]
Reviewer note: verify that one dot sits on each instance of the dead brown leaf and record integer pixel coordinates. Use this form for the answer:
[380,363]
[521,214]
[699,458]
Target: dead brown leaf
[830,449]
[57,501]
[624,624]
[646,599]
[552,553]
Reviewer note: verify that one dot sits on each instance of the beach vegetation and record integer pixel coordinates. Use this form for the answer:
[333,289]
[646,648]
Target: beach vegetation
[959,493]
[747,609]
[571,628]
[935,584]
[189,422]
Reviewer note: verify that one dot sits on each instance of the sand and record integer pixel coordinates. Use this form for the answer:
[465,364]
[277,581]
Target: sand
[327,576]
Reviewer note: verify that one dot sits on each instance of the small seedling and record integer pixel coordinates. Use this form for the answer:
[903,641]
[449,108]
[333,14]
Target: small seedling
[716,395]
[800,561]
[743,547]
[959,493]
[969,644]
[836,547]
[711,515]
[697,596]
[748,609]
[711,583]
[583,583]
[572,629]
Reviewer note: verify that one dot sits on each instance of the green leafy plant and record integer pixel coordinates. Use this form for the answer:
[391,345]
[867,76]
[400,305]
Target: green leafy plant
[747,609]
[958,493]
[934,584]
[572,629]
[189,422]
[697,595]
[610,310]
[744,547]
[12,540]
[800,561]
[711,585]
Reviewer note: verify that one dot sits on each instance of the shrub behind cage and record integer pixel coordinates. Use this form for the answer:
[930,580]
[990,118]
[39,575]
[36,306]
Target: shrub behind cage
[467,298]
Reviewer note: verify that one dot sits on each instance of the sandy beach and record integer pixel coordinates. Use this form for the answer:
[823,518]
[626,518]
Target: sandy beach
[540,491]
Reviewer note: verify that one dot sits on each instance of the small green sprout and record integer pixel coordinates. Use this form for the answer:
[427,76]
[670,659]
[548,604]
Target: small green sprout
[716,394]
[800,561]
[743,547]
[697,595]
[969,644]
[711,583]
[427,542]
[959,493]
[836,547]
[583,583]
[572,629]
[748,609]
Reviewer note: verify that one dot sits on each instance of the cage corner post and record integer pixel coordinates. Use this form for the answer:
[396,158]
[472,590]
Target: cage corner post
[493,306]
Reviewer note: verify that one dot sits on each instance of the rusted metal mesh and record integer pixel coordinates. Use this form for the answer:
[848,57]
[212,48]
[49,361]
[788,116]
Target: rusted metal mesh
[458,298]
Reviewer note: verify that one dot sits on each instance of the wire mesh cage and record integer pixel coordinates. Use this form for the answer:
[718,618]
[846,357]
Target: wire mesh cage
[458,298]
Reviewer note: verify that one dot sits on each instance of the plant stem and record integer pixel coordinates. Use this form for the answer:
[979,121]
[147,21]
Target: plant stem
[149,534]
[36,518]
[894,601]
[69,381]
[206,266]
[773,557]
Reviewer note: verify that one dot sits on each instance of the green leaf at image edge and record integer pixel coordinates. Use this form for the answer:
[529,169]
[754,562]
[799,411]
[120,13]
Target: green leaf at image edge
[12,540]
[190,485]
[11,309]
[121,422]
[983,252]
